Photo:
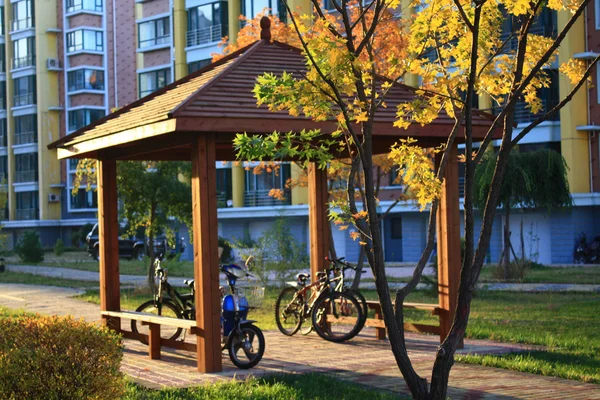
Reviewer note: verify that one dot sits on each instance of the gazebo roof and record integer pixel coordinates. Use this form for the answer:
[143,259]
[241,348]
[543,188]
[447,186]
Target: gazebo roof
[219,99]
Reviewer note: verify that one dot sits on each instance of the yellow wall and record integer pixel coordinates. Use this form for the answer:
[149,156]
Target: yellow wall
[48,120]
[300,6]
[574,145]
[238,184]
[233,20]
[299,193]
[179,38]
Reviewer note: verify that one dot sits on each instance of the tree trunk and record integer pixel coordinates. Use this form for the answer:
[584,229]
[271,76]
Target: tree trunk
[522,243]
[359,268]
[506,253]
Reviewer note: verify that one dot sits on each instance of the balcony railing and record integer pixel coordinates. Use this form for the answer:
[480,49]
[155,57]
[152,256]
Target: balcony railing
[25,176]
[25,138]
[523,112]
[512,40]
[2,103]
[25,214]
[259,198]
[23,99]
[204,35]
[18,24]
[2,140]
[79,85]
[23,62]
[155,41]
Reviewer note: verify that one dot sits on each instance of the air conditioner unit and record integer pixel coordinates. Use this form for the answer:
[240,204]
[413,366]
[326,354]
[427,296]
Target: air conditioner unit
[53,198]
[53,64]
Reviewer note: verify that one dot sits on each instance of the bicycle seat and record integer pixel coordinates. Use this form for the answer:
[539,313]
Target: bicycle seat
[189,282]
[302,277]
[321,274]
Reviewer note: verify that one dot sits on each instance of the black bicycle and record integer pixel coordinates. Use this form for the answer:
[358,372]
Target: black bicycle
[334,315]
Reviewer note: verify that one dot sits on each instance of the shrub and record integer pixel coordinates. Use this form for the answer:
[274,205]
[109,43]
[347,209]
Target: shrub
[30,248]
[516,271]
[58,358]
[59,247]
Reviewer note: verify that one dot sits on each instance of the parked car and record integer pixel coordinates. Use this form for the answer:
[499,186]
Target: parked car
[133,248]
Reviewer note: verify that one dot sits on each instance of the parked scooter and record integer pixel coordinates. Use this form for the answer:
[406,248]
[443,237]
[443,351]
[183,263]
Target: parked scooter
[587,254]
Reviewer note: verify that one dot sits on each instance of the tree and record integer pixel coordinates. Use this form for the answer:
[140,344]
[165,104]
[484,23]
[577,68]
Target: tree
[458,50]
[535,180]
[152,193]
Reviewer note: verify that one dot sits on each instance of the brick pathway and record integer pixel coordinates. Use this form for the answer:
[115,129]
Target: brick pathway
[363,360]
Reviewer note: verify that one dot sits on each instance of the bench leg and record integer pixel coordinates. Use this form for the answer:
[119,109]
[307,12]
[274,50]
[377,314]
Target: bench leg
[154,341]
[379,332]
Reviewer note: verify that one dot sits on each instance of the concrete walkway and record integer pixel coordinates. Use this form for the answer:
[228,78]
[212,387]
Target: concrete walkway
[137,280]
[363,360]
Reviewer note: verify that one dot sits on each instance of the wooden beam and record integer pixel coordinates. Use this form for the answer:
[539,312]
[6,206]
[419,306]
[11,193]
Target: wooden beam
[318,198]
[108,229]
[154,341]
[448,242]
[206,259]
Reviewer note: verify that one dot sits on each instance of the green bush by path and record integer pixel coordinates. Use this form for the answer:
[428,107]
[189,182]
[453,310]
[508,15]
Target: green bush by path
[30,248]
[281,386]
[59,247]
[58,358]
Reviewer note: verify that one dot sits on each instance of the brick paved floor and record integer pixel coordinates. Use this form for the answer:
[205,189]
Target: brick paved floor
[363,360]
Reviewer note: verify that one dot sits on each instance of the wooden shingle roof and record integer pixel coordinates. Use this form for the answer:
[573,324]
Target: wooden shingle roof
[219,99]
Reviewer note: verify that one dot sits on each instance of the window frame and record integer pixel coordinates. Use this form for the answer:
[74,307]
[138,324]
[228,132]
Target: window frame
[167,73]
[85,115]
[155,40]
[81,83]
[73,45]
[72,6]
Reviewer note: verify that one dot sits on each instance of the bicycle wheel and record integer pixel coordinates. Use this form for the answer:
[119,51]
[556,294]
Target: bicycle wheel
[247,349]
[363,303]
[337,316]
[289,311]
[168,309]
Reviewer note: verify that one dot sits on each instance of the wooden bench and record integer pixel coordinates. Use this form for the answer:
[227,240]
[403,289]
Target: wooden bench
[379,324]
[154,322]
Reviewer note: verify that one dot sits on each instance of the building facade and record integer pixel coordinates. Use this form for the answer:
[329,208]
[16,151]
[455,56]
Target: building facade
[67,63]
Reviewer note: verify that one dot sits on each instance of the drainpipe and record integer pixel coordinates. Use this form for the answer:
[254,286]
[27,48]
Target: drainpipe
[114,10]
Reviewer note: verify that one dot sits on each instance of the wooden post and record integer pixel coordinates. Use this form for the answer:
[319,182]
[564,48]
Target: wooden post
[154,341]
[108,235]
[448,245]
[318,222]
[206,259]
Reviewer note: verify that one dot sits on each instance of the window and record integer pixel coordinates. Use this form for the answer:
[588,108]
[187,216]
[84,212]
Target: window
[86,79]
[154,80]
[3,170]
[250,8]
[196,65]
[597,12]
[26,129]
[153,33]
[545,24]
[26,168]
[1,20]
[90,5]
[2,58]
[84,39]
[2,95]
[207,23]
[396,225]
[3,132]
[259,186]
[84,199]
[24,52]
[22,12]
[83,117]
[24,91]
[224,188]
[27,205]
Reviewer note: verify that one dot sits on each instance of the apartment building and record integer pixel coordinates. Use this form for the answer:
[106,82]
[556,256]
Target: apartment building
[66,63]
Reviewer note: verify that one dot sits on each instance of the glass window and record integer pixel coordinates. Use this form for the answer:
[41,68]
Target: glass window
[154,80]
[84,199]
[85,39]
[250,8]
[22,15]
[86,79]
[207,23]
[90,5]
[3,95]
[3,133]
[27,205]
[26,129]
[196,65]
[224,188]
[1,20]
[83,117]
[396,225]
[24,52]
[153,33]
[26,168]
[24,91]
[3,169]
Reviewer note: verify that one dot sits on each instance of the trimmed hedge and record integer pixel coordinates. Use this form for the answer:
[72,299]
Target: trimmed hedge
[58,358]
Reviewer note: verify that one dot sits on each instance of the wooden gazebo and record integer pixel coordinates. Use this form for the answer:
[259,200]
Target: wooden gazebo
[196,118]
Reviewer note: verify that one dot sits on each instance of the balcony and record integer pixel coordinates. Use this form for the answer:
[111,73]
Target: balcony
[204,35]
[2,140]
[23,100]
[25,138]
[22,62]
[261,198]
[25,176]
[156,41]
[523,113]
[512,40]
[4,214]
[20,24]
[26,214]
[2,103]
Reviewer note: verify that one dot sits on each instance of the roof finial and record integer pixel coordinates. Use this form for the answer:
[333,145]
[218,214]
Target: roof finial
[265,26]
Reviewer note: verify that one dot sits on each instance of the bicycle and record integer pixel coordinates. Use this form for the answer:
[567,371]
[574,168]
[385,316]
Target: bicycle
[342,267]
[243,340]
[335,316]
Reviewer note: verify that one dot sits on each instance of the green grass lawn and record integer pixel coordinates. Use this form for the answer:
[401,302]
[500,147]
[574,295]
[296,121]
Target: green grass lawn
[541,274]
[280,386]
[30,279]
